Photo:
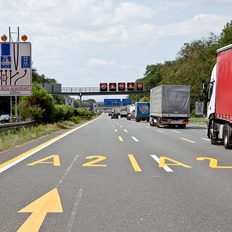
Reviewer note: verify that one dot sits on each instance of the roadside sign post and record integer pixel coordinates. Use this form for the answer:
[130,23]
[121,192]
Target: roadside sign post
[15,70]
[69,102]
[199,108]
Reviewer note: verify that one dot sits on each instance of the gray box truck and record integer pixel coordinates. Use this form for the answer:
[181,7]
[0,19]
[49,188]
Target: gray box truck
[170,105]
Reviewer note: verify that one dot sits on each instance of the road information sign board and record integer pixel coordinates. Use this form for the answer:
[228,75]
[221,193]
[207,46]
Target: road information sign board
[126,102]
[112,102]
[15,69]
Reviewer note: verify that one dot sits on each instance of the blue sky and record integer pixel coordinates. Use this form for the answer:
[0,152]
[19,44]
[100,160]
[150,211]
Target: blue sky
[82,43]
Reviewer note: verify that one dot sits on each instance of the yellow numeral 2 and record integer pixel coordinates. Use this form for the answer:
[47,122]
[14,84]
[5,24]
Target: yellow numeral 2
[93,162]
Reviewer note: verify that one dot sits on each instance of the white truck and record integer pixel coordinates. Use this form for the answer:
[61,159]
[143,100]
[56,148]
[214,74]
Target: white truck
[123,111]
[219,96]
[170,105]
[130,112]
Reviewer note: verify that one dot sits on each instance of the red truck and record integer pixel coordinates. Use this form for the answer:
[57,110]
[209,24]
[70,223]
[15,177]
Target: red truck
[219,96]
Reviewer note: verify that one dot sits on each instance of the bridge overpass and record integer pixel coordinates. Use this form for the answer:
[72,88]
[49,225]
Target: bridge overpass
[90,91]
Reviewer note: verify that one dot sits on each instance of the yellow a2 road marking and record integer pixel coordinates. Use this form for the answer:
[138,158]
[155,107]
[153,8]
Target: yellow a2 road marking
[212,162]
[93,162]
[56,161]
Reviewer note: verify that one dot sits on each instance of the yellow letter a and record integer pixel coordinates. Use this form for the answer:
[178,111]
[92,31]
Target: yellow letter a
[162,162]
[56,161]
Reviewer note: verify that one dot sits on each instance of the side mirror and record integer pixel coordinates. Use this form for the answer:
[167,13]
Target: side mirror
[205,93]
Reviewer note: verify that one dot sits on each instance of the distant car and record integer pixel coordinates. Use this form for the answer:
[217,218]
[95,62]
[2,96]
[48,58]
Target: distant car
[5,118]
[109,114]
[114,116]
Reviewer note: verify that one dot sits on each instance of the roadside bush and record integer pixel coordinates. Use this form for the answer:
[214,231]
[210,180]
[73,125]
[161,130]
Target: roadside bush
[33,113]
[76,119]
[82,112]
[63,112]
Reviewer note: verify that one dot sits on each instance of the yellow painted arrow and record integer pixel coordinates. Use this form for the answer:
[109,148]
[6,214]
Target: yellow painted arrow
[48,203]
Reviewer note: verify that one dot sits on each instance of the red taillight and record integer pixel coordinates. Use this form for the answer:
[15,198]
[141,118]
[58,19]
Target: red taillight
[165,122]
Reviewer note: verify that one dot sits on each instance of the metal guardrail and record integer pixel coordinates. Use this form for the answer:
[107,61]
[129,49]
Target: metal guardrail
[16,125]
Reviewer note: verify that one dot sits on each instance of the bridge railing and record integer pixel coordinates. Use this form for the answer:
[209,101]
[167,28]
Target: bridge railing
[80,89]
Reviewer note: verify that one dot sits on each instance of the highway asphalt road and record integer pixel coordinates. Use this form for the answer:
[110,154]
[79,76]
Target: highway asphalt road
[117,175]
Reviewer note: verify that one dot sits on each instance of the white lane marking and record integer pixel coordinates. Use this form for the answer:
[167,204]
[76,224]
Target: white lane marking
[205,139]
[74,211]
[125,130]
[166,168]
[176,131]
[136,140]
[120,126]
[67,171]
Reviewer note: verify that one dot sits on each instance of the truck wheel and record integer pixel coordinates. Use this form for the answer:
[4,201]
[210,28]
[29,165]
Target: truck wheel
[158,122]
[213,141]
[182,126]
[226,137]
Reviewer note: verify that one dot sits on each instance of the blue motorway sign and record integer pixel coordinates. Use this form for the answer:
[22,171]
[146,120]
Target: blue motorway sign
[112,102]
[26,62]
[126,102]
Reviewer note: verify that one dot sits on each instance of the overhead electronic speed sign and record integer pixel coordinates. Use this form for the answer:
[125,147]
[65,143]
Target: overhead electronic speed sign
[139,86]
[15,69]
[121,87]
[103,86]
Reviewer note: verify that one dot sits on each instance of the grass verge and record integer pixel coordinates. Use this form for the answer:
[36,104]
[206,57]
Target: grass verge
[13,138]
[198,122]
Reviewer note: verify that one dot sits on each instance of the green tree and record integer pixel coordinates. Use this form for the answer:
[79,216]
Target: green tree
[226,35]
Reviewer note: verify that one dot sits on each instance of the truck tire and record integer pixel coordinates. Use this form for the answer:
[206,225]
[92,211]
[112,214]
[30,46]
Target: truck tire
[158,122]
[137,120]
[226,136]
[213,141]
[182,126]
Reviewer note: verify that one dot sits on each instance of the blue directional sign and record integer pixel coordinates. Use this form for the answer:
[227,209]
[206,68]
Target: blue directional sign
[5,55]
[126,102]
[5,61]
[26,62]
[112,102]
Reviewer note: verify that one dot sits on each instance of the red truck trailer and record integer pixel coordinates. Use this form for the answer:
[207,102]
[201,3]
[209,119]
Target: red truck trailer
[219,107]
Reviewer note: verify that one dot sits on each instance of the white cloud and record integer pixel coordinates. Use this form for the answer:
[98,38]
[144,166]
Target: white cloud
[196,2]
[99,62]
[129,12]
[198,25]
